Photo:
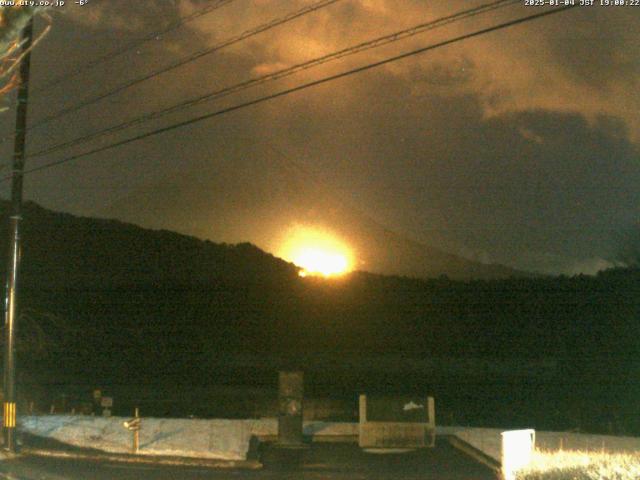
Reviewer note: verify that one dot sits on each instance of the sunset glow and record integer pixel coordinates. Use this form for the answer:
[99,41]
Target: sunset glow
[317,252]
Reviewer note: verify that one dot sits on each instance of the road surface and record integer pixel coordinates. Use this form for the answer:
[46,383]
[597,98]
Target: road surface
[321,461]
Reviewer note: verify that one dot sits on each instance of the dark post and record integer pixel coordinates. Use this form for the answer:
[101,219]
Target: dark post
[11,300]
[291,389]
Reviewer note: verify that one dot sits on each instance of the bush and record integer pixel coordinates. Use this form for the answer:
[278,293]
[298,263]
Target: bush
[580,465]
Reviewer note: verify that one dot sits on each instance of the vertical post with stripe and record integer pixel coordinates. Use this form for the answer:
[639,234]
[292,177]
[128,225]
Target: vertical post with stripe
[9,415]
[11,300]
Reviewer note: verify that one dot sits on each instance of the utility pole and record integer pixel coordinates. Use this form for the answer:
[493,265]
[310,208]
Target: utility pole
[11,300]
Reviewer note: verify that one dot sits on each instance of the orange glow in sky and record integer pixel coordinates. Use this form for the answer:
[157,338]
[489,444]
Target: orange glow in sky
[317,252]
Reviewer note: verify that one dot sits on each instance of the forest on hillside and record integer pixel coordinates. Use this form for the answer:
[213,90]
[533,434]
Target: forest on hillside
[106,287]
[106,303]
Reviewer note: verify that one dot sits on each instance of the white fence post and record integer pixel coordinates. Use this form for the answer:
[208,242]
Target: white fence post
[517,449]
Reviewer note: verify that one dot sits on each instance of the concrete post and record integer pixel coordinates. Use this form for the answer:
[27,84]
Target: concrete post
[291,392]
[431,412]
[362,404]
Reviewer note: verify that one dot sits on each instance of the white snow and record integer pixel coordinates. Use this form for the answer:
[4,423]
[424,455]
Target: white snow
[229,439]
[489,441]
[217,439]
[412,406]
[214,439]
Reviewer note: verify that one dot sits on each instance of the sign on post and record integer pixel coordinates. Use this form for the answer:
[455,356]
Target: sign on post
[134,425]
[106,403]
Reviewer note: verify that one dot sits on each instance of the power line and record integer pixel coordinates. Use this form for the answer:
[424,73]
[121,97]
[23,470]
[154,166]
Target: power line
[195,56]
[115,53]
[358,48]
[304,86]
[336,192]
[131,46]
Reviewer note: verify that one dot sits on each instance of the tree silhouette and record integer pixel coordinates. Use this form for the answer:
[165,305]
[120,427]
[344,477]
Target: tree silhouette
[628,250]
[41,332]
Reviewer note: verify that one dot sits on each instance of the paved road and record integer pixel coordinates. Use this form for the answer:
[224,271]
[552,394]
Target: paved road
[322,461]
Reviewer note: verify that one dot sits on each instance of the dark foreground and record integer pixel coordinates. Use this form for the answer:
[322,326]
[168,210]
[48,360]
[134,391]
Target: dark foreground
[321,461]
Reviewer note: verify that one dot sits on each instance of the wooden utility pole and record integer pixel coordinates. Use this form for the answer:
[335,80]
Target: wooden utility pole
[11,301]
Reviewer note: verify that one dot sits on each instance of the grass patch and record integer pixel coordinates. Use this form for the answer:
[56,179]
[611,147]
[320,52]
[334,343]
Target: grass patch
[581,465]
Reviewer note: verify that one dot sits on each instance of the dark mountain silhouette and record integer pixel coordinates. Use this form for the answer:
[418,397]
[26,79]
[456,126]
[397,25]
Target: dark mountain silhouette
[255,194]
[65,250]
[113,303]
[110,278]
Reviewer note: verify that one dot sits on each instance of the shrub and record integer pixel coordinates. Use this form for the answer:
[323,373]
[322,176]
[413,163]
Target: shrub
[581,465]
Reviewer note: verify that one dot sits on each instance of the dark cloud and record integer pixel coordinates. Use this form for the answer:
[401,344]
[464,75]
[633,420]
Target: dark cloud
[517,147]
[601,51]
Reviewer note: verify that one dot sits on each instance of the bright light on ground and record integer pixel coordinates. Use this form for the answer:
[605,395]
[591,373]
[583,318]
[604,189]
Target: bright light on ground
[588,465]
[320,261]
[317,252]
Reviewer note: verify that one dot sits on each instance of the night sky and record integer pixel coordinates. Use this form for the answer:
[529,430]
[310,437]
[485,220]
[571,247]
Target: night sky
[518,147]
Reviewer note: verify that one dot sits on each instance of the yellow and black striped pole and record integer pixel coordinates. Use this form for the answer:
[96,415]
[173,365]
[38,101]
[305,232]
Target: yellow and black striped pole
[11,302]
[9,415]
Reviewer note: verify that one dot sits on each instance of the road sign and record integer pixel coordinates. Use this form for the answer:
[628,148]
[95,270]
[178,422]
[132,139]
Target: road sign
[132,424]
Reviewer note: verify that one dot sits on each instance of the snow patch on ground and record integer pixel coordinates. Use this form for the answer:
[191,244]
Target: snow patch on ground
[489,441]
[229,439]
[216,439]
[213,439]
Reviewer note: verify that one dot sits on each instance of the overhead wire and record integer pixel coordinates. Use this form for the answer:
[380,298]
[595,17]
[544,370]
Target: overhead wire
[191,58]
[301,87]
[317,180]
[282,73]
[111,55]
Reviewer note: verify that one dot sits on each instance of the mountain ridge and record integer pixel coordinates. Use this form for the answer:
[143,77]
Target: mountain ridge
[127,301]
[257,195]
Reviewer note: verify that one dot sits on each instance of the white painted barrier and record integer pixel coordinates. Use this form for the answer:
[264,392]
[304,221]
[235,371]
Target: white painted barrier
[214,439]
[517,448]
